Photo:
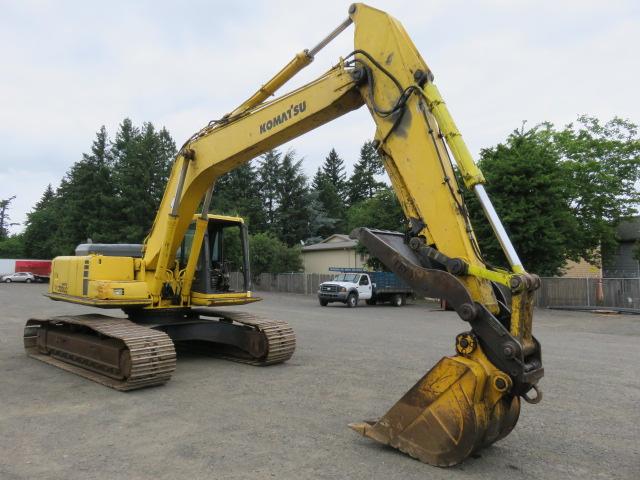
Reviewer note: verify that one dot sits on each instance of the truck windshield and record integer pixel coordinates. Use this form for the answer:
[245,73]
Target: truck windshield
[346,277]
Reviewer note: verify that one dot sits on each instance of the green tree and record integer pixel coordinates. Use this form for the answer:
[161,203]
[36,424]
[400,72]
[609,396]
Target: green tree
[382,211]
[270,255]
[363,184]
[333,170]
[292,212]
[110,195]
[320,224]
[331,186]
[12,247]
[318,180]
[238,193]
[560,193]
[5,220]
[41,225]
[329,205]
[86,200]
[161,150]
[142,163]
[602,167]
[268,182]
[526,182]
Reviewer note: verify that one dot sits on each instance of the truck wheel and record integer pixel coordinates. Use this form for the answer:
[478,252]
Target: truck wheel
[371,301]
[352,300]
[398,300]
[28,280]
[324,303]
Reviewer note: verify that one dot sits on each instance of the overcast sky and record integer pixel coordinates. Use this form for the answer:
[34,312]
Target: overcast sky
[69,67]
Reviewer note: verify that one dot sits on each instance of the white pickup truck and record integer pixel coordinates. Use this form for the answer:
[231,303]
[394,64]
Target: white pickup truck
[352,285]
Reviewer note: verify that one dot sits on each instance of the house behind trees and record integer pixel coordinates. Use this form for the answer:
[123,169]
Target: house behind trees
[337,250]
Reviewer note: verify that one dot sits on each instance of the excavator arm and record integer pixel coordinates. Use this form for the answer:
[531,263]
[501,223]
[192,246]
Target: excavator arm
[466,401]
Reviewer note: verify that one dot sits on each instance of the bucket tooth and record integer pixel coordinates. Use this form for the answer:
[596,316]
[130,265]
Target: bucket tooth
[446,415]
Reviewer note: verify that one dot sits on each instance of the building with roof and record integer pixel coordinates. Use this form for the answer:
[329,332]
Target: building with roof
[337,250]
[581,269]
[622,262]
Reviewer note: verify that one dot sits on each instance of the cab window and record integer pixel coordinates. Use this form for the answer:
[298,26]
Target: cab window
[364,280]
[182,254]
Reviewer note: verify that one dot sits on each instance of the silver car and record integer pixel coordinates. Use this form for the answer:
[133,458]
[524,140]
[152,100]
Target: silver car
[25,277]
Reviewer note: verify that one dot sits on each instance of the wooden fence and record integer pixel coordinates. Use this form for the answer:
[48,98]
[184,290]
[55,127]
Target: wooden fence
[554,292]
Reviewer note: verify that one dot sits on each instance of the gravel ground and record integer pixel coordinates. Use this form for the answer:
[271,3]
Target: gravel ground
[217,419]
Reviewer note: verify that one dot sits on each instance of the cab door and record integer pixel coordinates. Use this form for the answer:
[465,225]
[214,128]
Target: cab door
[364,287]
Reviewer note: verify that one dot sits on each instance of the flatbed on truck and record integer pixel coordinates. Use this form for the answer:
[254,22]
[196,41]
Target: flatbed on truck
[388,288]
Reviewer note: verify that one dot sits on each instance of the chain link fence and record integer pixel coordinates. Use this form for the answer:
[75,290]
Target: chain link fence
[304,283]
[589,292]
[554,292]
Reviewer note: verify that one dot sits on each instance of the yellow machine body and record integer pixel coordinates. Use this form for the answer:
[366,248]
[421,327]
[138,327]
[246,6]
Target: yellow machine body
[468,400]
[97,280]
[122,282]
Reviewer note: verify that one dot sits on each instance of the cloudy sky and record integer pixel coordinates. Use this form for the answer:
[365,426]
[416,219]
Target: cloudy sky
[69,67]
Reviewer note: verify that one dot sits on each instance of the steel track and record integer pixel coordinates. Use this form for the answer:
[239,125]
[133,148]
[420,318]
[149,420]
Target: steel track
[152,357]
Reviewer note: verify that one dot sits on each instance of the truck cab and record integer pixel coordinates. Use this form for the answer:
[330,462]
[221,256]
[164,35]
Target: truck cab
[347,288]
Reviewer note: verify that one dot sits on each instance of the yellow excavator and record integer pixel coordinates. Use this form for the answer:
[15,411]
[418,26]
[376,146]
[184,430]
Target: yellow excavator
[168,285]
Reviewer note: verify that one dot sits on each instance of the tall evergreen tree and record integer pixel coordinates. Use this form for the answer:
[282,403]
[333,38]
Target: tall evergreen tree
[268,183]
[5,221]
[142,161]
[332,206]
[86,195]
[111,195]
[41,225]
[334,172]
[165,155]
[324,206]
[130,178]
[47,198]
[363,183]
[330,185]
[318,179]
[320,224]
[293,214]
[238,193]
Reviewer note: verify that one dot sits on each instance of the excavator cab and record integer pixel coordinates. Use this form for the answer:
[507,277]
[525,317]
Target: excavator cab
[223,253]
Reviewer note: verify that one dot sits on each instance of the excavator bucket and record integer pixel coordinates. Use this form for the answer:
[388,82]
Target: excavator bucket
[454,410]
[465,402]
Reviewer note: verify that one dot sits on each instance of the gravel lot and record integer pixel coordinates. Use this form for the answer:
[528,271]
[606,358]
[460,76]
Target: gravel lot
[217,419]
